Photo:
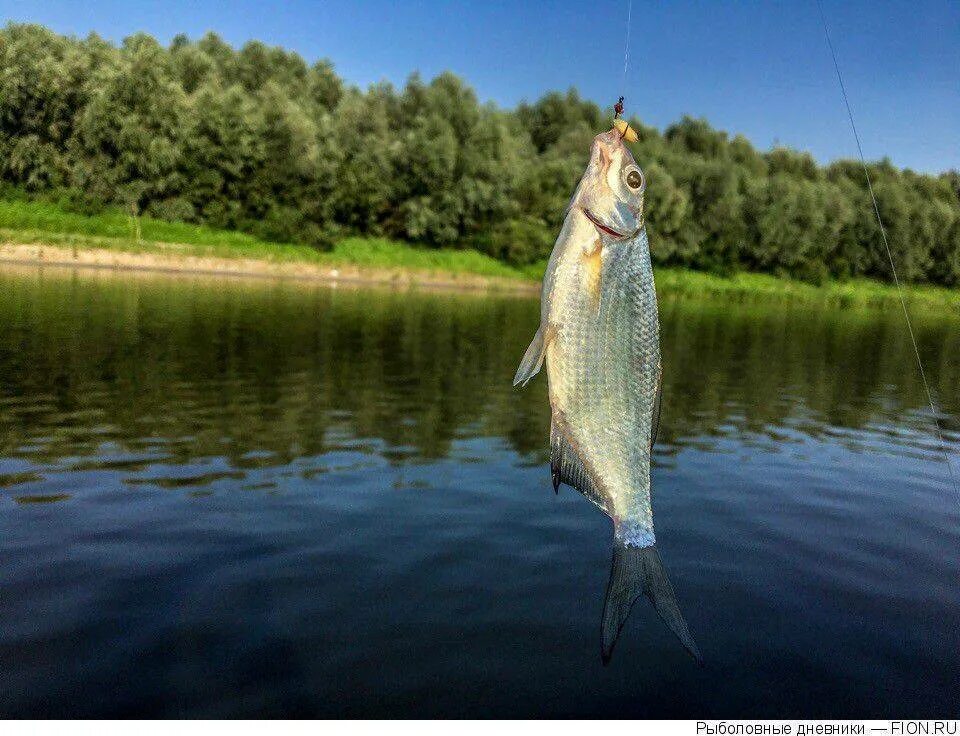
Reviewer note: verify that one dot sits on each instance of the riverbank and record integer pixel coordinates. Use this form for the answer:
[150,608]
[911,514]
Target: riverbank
[174,259]
[43,233]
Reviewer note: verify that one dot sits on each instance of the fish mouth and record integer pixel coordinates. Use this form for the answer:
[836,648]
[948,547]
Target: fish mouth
[600,226]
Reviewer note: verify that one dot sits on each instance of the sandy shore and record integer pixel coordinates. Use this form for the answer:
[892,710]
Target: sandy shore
[185,264]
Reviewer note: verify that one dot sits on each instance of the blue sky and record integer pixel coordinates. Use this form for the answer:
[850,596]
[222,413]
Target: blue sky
[758,68]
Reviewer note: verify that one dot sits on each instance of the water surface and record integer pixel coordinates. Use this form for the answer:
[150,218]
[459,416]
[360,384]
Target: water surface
[244,498]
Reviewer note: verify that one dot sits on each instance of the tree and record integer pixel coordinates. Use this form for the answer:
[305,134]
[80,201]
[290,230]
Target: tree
[259,139]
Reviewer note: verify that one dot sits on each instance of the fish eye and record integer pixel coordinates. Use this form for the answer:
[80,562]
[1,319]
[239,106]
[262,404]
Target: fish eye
[635,179]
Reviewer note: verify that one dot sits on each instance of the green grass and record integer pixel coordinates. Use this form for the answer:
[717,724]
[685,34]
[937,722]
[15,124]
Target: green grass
[23,221]
[856,292]
[46,217]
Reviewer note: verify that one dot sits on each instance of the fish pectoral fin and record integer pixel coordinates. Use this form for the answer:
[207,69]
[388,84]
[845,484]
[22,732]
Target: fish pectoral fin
[566,465]
[532,360]
[633,572]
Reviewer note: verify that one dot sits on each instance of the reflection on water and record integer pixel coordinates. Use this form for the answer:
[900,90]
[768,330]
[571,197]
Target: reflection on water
[258,498]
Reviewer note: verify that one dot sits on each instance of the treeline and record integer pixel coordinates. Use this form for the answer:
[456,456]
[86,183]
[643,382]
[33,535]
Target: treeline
[259,140]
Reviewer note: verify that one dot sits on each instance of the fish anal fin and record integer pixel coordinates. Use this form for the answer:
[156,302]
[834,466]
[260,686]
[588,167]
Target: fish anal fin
[637,571]
[532,360]
[566,465]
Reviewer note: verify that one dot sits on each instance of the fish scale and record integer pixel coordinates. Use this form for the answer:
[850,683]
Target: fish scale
[603,365]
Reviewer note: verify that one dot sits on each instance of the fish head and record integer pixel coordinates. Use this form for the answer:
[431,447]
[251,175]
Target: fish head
[612,188]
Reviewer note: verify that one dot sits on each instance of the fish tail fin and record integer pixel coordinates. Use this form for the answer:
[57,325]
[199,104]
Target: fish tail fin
[532,359]
[635,571]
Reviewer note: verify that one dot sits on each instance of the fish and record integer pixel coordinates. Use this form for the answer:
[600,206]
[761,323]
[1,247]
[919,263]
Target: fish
[599,337]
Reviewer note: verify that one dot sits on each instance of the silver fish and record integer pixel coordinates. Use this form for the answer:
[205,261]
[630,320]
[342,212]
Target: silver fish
[600,337]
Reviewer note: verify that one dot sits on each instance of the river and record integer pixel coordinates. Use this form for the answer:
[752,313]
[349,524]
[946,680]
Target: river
[257,498]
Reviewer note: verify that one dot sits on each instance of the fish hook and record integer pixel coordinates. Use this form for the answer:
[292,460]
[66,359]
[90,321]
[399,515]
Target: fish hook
[617,112]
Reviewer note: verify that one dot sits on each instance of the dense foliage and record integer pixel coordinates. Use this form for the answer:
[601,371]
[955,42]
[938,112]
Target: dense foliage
[261,141]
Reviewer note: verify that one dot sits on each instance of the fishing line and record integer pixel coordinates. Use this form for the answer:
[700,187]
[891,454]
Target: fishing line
[618,108]
[886,245]
[626,44]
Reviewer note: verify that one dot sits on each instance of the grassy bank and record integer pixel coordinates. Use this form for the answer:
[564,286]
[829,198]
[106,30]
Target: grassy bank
[857,292]
[33,222]
[25,222]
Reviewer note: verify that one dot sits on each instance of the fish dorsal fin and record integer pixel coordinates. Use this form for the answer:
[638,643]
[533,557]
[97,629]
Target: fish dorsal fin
[566,466]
